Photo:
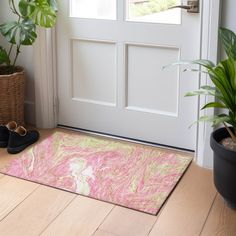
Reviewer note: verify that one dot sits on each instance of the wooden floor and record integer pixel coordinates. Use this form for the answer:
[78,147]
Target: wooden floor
[194,208]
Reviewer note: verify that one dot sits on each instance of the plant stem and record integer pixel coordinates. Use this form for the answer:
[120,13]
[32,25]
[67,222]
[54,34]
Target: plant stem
[18,46]
[14,8]
[230,132]
[17,54]
[9,53]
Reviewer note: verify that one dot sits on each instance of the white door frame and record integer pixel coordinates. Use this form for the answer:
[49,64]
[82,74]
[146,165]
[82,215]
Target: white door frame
[45,67]
[211,16]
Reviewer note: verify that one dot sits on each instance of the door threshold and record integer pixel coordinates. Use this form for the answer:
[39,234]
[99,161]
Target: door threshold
[101,134]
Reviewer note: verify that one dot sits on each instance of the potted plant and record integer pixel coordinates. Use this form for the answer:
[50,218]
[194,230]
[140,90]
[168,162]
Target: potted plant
[223,140]
[20,32]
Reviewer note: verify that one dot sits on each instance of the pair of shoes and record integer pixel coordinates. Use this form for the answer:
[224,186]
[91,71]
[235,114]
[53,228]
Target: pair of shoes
[16,138]
[5,133]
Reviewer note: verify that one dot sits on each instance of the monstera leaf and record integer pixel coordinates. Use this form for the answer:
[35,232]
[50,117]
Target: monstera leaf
[20,33]
[41,12]
[29,14]
[53,4]
[4,58]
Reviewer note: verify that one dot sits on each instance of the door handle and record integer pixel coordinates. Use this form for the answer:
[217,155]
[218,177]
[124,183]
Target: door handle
[191,7]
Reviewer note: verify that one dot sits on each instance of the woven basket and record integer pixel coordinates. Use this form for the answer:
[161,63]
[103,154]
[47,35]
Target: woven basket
[12,90]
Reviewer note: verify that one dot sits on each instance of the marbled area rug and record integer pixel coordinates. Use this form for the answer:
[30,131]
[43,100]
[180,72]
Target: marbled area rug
[123,173]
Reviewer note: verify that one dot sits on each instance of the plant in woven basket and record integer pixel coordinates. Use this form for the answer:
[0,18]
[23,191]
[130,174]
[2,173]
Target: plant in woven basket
[22,31]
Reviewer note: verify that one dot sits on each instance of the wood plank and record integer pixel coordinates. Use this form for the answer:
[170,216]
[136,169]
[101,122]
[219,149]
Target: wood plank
[221,221]
[102,233]
[5,157]
[12,192]
[82,217]
[122,221]
[188,206]
[33,215]
[3,154]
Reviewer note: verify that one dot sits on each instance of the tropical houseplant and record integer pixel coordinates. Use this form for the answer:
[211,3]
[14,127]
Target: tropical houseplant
[17,33]
[223,140]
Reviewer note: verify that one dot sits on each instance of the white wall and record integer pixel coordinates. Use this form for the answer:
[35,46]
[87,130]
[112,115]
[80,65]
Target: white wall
[26,60]
[229,14]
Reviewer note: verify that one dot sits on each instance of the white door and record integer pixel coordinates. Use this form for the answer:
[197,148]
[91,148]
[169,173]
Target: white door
[110,77]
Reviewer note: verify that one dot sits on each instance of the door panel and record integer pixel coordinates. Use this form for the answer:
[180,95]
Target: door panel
[158,95]
[110,76]
[89,79]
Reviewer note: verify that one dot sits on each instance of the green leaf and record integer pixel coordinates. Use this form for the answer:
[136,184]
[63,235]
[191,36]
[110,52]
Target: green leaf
[219,119]
[53,5]
[229,66]
[228,39]
[213,104]
[207,87]
[223,88]
[195,70]
[25,8]
[4,58]
[215,120]
[22,32]
[41,12]
[222,78]
[205,90]
[197,93]
[205,63]
[7,30]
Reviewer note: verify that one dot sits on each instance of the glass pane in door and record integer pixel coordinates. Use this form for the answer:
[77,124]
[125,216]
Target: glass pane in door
[96,9]
[156,11]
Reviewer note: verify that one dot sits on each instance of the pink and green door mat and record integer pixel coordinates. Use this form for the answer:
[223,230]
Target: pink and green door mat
[123,173]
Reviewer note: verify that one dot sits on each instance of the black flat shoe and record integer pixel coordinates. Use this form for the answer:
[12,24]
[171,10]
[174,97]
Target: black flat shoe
[20,139]
[5,132]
